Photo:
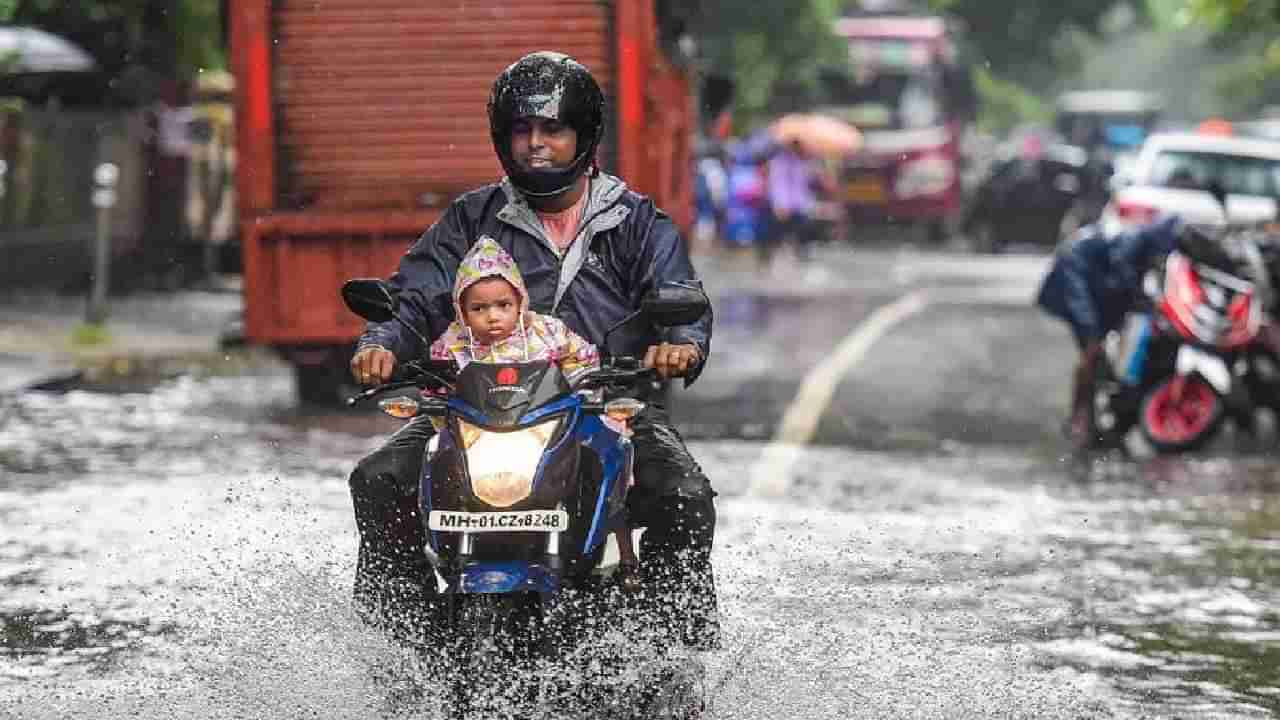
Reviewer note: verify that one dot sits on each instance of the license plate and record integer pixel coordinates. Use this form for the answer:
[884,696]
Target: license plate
[864,190]
[543,521]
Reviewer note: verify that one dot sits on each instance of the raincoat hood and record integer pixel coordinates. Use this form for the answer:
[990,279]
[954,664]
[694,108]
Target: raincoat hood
[487,259]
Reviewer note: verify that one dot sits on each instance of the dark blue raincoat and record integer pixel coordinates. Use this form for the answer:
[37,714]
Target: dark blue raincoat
[1096,279]
[626,246]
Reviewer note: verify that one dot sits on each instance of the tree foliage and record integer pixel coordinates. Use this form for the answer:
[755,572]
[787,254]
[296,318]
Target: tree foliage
[1252,27]
[170,37]
[1003,105]
[1022,41]
[1240,17]
[772,50]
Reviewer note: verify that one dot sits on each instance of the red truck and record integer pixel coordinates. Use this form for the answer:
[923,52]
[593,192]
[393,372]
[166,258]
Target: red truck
[907,88]
[358,121]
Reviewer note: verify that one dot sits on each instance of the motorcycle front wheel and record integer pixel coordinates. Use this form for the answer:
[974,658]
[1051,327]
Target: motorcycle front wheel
[1181,413]
[492,653]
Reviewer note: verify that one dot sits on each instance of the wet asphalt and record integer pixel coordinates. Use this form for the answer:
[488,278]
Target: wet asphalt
[931,552]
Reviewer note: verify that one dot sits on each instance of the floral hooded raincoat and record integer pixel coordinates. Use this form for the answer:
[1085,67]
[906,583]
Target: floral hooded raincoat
[537,336]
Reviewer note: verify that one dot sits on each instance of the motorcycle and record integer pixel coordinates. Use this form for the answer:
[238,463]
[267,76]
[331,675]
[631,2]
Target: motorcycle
[1215,315]
[1179,370]
[519,490]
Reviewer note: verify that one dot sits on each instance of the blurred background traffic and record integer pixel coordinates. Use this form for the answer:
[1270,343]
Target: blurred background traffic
[976,124]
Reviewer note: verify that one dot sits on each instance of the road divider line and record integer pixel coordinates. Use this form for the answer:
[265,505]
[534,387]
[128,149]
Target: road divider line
[772,473]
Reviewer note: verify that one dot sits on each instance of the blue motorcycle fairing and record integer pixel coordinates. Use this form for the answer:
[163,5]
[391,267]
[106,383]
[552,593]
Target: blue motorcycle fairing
[507,577]
[475,417]
[1137,359]
[593,433]
[568,403]
[587,429]
[471,414]
[445,442]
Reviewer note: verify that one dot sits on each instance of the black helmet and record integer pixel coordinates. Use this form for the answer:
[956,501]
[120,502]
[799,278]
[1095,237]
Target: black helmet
[554,86]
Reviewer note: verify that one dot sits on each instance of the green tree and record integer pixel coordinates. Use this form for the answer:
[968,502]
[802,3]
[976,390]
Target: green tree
[1251,28]
[1027,42]
[773,51]
[1239,17]
[171,37]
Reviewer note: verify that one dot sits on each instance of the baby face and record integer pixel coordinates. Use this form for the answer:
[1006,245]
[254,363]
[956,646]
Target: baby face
[490,308]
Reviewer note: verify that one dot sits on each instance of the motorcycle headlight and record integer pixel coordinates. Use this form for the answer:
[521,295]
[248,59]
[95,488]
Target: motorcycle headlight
[502,464]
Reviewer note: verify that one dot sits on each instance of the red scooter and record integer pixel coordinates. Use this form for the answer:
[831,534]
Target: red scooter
[1208,315]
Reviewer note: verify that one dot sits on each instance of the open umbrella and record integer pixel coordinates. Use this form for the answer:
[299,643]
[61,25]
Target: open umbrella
[817,134]
[31,50]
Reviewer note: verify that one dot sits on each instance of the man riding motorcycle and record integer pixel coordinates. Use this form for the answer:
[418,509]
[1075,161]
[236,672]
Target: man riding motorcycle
[589,249]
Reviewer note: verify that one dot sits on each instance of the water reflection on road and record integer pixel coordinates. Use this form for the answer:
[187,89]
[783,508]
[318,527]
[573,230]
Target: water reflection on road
[187,552]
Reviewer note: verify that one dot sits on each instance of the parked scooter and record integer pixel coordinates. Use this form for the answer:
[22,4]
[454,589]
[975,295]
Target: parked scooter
[1180,369]
[1210,308]
[519,491]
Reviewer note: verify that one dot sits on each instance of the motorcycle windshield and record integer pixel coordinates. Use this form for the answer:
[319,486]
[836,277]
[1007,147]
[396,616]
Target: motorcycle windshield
[502,393]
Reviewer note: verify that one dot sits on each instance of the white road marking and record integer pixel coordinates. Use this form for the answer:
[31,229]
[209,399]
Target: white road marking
[1014,269]
[772,474]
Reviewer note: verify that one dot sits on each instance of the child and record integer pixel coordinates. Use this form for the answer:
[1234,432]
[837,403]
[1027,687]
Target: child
[494,325]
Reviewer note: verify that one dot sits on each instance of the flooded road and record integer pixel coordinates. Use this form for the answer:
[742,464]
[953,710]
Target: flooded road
[187,552]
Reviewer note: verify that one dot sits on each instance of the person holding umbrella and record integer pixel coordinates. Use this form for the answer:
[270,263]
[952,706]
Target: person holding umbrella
[795,175]
[789,185]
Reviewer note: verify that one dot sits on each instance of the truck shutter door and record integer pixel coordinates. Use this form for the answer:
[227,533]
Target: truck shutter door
[381,103]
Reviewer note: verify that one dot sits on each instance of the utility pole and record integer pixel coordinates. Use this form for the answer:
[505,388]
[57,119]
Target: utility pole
[105,178]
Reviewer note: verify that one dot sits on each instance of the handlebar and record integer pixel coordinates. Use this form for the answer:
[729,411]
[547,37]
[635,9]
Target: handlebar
[618,371]
[442,371]
[414,373]
[387,387]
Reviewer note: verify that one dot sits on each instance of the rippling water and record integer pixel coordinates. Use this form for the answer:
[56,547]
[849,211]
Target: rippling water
[187,552]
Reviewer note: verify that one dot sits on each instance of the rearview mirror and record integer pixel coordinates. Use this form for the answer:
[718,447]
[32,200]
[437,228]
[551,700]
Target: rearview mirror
[672,304]
[371,299]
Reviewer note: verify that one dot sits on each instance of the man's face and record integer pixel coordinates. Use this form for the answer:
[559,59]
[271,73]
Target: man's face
[542,144]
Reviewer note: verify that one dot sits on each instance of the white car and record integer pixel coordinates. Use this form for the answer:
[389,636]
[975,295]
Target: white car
[1172,172]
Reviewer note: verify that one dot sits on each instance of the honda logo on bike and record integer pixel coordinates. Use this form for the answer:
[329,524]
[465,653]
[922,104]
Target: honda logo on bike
[508,376]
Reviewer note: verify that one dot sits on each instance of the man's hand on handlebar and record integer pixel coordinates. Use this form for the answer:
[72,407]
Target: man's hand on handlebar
[373,365]
[672,360]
